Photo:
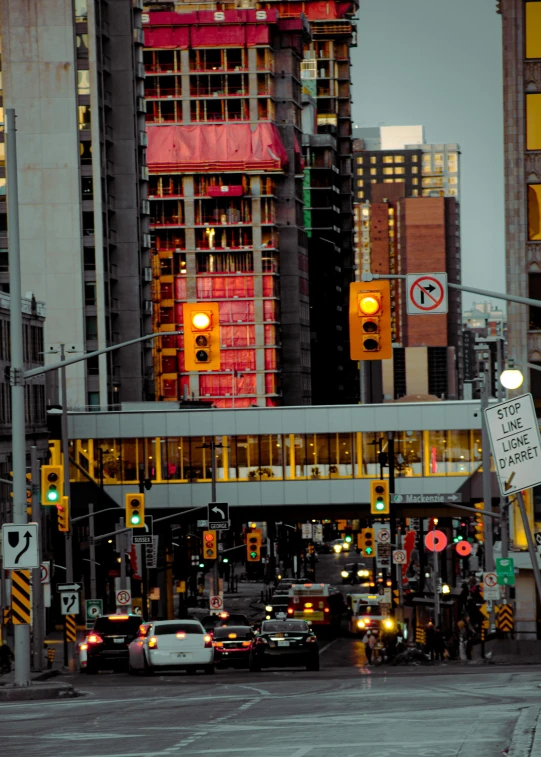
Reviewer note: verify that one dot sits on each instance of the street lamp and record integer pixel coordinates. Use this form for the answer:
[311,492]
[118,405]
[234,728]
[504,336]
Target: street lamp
[512,377]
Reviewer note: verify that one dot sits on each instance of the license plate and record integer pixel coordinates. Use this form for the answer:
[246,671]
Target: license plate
[283,643]
[118,641]
[184,655]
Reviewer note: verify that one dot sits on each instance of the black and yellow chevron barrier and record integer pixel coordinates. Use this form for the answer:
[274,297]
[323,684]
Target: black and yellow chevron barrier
[504,618]
[20,597]
[70,627]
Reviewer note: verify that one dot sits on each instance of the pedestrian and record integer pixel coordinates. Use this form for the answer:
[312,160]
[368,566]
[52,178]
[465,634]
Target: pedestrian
[6,656]
[367,647]
[430,639]
[439,644]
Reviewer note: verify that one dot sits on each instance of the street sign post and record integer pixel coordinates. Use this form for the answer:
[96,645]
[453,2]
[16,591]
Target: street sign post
[426,293]
[491,588]
[505,571]
[20,546]
[45,577]
[399,557]
[307,531]
[218,516]
[216,603]
[425,499]
[516,443]
[93,609]
[383,533]
[69,587]
[123,598]
[69,602]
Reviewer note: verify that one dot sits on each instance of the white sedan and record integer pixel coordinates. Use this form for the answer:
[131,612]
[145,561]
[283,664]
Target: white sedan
[171,644]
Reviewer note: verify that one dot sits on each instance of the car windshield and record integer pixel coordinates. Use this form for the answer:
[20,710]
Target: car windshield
[121,626]
[238,632]
[295,626]
[162,629]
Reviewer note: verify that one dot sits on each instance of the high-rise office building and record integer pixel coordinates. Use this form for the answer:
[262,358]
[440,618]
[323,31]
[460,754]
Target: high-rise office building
[522,156]
[73,72]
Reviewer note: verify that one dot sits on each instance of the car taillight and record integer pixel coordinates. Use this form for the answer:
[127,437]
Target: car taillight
[290,610]
[94,639]
[208,641]
[311,639]
[327,609]
[218,644]
[83,646]
[181,635]
[153,643]
[246,643]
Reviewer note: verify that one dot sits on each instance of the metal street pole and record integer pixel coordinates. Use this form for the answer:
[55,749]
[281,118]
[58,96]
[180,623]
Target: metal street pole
[21,633]
[70,647]
[435,581]
[487,489]
[215,573]
[38,635]
[92,550]
[531,545]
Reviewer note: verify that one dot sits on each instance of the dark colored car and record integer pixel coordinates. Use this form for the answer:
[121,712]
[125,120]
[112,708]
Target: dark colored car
[232,645]
[355,573]
[232,619]
[284,642]
[108,641]
[277,608]
[209,622]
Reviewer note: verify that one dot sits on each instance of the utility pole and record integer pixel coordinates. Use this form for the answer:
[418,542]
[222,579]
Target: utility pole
[21,632]
[92,551]
[69,646]
[487,488]
[435,580]
[38,631]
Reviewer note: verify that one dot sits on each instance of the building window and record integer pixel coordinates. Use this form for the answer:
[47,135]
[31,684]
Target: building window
[373,171]
[93,399]
[534,212]
[387,158]
[90,293]
[415,193]
[388,181]
[373,159]
[387,171]
[414,158]
[452,193]
[360,160]
[91,327]
[399,158]
[360,183]
[414,169]
[84,116]
[452,162]
[89,259]
[360,195]
[533,122]
[533,30]
[415,181]
[437,371]
[452,180]
[399,171]
[80,10]
[87,190]
[83,82]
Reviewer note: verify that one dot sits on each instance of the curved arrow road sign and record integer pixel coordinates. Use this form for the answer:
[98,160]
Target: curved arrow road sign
[20,546]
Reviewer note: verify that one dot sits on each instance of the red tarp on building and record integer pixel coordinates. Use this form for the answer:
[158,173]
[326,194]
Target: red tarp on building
[213,147]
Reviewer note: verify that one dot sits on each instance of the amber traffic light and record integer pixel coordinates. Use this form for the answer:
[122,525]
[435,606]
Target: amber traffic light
[253,546]
[63,508]
[370,334]
[135,510]
[52,484]
[201,336]
[210,545]
[379,497]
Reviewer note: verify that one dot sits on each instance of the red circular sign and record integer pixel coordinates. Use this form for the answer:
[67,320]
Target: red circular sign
[435,541]
[419,289]
[463,548]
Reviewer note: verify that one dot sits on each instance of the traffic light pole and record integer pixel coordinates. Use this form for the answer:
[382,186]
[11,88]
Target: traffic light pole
[396,578]
[69,646]
[38,635]
[215,572]
[21,632]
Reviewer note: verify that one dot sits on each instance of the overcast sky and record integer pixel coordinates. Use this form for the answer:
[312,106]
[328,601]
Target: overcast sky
[438,63]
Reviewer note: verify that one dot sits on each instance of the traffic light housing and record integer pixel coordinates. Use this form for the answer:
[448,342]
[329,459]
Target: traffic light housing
[379,497]
[348,537]
[52,484]
[201,336]
[210,545]
[370,333]
[367,543]
[135,510]
[63,508]
[479,523]
[253,546]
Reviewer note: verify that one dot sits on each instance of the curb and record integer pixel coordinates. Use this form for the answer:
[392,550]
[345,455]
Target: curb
[11,693]
[524,733]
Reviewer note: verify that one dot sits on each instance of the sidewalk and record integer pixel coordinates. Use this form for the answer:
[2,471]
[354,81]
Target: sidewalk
[42,686]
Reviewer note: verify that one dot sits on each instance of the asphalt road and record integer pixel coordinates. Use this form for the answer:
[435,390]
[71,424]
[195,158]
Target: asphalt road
[345,709]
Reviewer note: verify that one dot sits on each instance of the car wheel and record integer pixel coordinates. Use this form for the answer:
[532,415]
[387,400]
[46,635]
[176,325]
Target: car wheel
[313,664]
[191,671]
[148,669]
[131,670]
[210,670]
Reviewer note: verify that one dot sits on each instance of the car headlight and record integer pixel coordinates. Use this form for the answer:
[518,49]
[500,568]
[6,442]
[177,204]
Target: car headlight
[268,608]
[361,624]
[337,548]
[267,617]
[344,574]
[388,623]
[346,545]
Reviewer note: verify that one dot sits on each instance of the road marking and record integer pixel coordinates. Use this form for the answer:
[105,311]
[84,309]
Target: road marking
[327,646]
[254,688]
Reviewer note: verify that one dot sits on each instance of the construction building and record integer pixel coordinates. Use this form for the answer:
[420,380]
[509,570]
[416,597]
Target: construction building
[251,195]
[73,72]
